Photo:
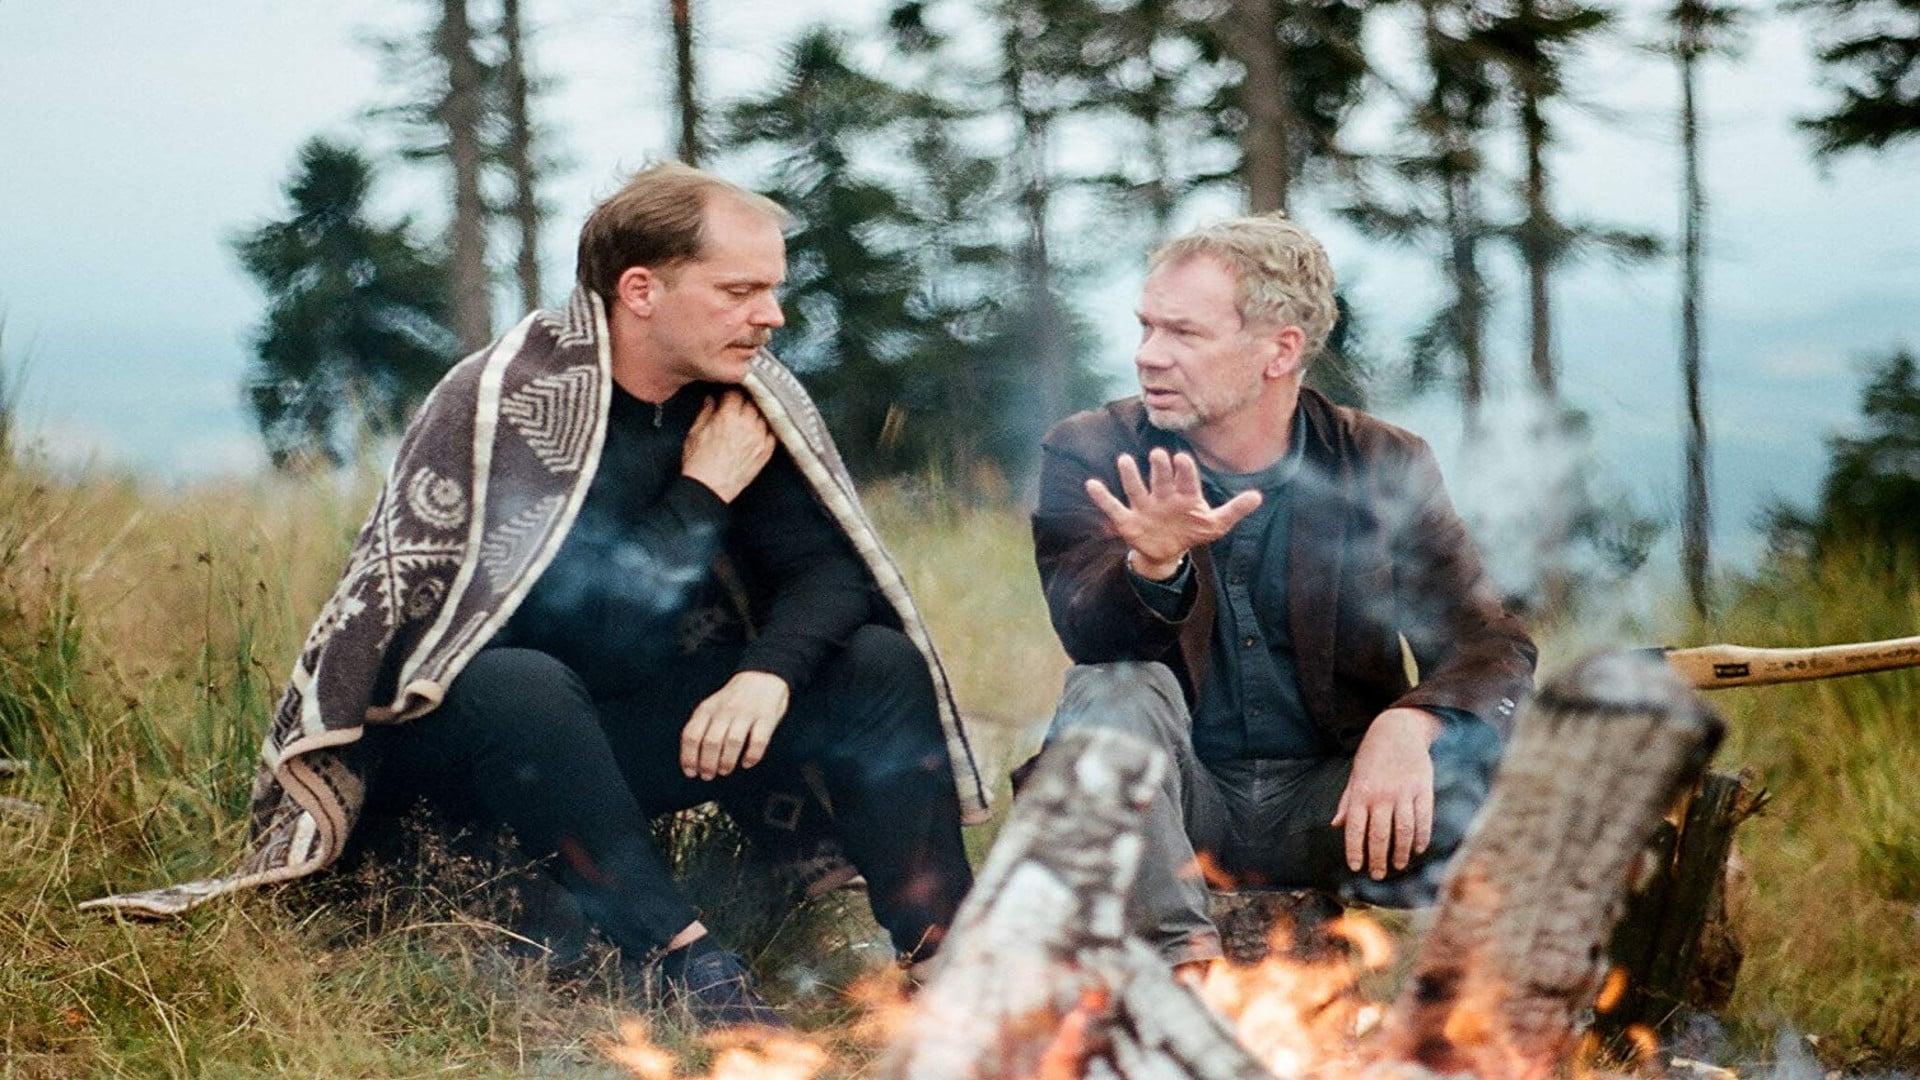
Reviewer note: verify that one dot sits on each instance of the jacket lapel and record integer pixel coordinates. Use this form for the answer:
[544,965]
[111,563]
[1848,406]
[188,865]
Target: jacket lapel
[1314,556]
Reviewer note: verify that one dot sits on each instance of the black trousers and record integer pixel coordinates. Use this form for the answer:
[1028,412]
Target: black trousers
[521,741]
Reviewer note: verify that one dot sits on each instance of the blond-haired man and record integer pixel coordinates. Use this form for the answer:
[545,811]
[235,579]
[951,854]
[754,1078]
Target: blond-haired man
[1232,562]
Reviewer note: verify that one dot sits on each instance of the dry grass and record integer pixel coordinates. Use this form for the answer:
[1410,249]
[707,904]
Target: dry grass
[143,635]
[1831,906]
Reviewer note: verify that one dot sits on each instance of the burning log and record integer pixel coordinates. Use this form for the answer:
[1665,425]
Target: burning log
[1675,943]
[1251,920]
[1037,964]
[1040,980]
[1515,952]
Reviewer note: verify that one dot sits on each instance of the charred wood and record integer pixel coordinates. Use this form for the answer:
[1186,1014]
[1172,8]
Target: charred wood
[1515,953]
[1039,978]
[1676,945]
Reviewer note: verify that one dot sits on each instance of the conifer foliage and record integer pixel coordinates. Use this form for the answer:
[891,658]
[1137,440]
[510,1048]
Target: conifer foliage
[357,328]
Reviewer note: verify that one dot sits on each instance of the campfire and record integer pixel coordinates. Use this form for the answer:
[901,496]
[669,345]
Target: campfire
[1040,981]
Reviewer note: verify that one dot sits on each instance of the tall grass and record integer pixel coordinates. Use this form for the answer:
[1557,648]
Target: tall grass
[141,638]
[144,634]
[1830,899]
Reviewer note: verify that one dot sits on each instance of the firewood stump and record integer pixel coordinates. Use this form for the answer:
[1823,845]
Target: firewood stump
[1675,946]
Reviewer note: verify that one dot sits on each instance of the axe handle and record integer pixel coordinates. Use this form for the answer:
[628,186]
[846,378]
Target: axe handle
[1712,667]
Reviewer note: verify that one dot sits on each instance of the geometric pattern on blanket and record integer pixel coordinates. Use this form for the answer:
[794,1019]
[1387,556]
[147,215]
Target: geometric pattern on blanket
[484,486]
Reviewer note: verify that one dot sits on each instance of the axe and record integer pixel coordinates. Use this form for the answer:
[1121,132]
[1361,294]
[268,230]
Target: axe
[1714,667]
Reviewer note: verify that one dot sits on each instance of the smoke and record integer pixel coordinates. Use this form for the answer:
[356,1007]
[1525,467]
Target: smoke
[1700,1048]
[611,574]
[1529,483]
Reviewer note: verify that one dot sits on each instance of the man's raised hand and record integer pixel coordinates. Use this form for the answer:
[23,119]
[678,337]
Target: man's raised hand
[728,445]
[1166,515]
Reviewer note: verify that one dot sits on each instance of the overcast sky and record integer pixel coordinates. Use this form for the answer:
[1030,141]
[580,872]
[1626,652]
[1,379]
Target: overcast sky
[139,139]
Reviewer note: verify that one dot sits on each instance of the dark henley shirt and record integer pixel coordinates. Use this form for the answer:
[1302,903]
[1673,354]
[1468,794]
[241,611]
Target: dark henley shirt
[638,563]
[1250,705]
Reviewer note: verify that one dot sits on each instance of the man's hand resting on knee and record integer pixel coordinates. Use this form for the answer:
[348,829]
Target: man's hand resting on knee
[1387,808]
[734,726]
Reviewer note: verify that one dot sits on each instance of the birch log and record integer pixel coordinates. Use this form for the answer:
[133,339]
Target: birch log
[1037,977]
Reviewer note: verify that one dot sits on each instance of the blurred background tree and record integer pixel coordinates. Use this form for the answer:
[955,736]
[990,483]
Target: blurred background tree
[964,178]
[1871,494]
[357,327]
[1695,31]
[1871,53]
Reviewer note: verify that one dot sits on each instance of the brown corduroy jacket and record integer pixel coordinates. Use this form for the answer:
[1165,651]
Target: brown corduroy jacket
[1377,554]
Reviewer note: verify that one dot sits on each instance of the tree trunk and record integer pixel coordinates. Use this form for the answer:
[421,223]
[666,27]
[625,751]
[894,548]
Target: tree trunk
[1250,33]
[1036,196]
[1537,243]
[1160,196]
[1536,246]
[1469,291]
[1458,167]
[521,159]
[685,90]
[1697,518]
[462,112]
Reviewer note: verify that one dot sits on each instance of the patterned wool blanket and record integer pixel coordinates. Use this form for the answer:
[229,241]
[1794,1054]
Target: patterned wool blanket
[485,485]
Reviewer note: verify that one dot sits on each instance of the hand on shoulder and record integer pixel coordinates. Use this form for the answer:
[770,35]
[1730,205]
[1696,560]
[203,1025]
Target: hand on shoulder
[729,444]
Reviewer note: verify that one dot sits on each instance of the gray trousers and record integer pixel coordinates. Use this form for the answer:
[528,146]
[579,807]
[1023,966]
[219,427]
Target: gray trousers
[1263,823]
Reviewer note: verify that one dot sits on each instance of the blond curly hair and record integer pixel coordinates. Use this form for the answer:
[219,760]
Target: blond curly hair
[1283,274]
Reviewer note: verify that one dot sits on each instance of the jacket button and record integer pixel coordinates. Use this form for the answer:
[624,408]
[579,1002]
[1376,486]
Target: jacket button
[1248,641]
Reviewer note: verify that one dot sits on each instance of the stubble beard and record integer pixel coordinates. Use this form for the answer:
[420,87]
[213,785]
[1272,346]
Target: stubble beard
[1203,411]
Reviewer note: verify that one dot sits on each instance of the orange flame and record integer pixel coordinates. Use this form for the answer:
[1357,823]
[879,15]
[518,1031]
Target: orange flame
[742,1055]
[1299,1016]
[1066,1056]
[1612,991]
[1207,868]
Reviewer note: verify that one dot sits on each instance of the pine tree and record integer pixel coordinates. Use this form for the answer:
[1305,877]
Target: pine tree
[1302,67]
[448,105]
[1697,30]
[1871,493]
[1149,77]
[1005,355]
[519,152]
[356,330]
[1434,190]
[1871,50]
[1041,82]
[851,325]
[1533,46]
